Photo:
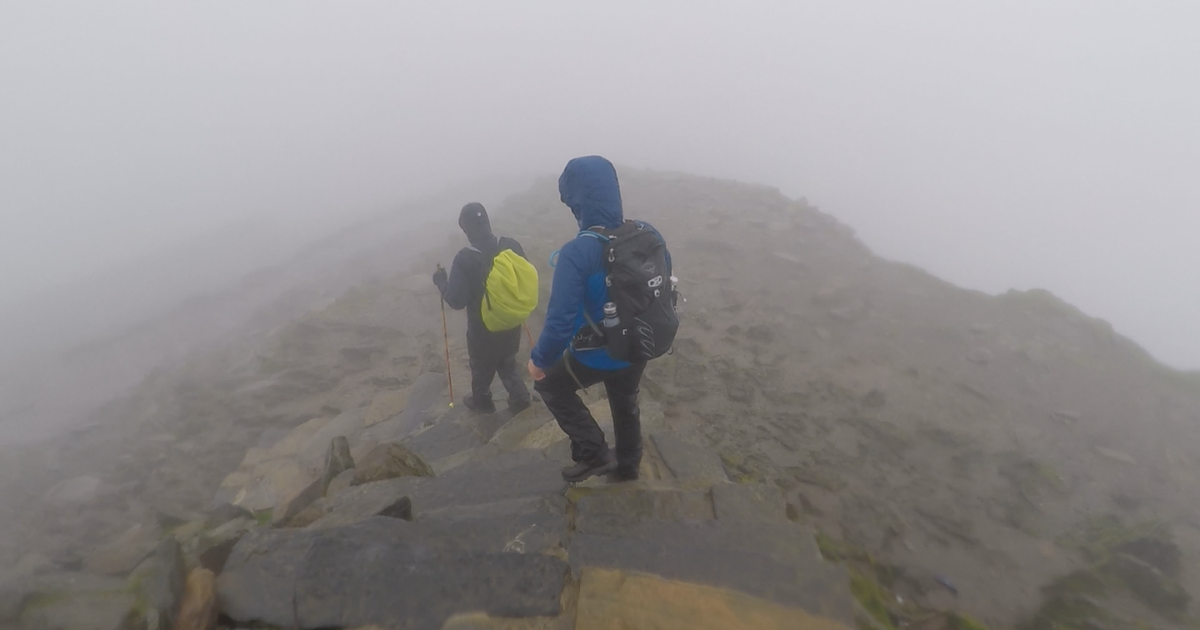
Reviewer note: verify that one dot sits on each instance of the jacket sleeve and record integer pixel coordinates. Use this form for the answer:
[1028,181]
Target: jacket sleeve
[458,288]
[566,299]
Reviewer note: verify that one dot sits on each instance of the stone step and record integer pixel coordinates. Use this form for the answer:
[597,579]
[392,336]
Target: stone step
[778,562]
[384,572]
[692,464]
[515,475]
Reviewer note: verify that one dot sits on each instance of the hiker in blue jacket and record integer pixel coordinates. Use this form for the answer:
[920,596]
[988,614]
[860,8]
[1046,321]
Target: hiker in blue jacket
[568,356]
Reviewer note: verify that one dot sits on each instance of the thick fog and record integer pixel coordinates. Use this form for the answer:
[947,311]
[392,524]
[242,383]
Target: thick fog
[1016,144]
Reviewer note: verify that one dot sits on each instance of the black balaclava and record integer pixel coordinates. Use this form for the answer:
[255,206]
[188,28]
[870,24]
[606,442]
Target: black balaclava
[475,224]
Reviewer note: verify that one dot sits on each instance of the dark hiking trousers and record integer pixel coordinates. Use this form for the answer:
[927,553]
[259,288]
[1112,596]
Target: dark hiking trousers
[491,354]
[559,390]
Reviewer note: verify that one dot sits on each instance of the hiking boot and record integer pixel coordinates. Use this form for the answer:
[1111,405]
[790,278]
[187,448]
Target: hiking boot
[585,470]
[517,406]
[482,407]
[622,474]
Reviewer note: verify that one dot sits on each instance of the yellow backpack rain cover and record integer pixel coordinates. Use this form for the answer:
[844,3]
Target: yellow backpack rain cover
[510,292]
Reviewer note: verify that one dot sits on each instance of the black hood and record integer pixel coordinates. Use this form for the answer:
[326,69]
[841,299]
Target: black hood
[475,224]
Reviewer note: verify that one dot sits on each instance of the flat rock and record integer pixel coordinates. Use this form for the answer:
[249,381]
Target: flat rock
[1116,455]
[224,513]
[74,492]
[428,390]
[269,485]
[775,561]
[749,502]
[120,556]
[509,436]
[449,436]
[634,502]
[690,463]
[618,599]
[92,611]
[514,475]
[386,405]
[291,443]
[383,572]
[542,437]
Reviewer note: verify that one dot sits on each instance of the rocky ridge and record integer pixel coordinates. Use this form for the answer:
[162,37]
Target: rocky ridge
[1003,458]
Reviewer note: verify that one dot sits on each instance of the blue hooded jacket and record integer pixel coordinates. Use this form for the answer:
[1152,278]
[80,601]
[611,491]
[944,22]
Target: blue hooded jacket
[589,187]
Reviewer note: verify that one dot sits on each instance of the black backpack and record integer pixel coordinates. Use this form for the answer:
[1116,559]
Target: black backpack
[641,287]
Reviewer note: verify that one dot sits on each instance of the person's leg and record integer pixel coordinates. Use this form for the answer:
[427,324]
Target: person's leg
[506,368]
[483,370]
[559,390]
[622,388]
[518,394]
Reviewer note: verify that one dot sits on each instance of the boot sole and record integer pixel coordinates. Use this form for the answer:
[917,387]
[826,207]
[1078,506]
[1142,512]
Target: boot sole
[594,472]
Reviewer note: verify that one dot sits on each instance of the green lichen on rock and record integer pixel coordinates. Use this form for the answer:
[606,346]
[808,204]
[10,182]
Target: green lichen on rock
[873,599]
[263,517]
[957,621]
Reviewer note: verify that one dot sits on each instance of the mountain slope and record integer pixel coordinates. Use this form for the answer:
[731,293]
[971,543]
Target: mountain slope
[960,451]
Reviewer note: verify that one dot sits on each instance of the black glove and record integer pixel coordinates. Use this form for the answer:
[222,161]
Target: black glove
[439,278]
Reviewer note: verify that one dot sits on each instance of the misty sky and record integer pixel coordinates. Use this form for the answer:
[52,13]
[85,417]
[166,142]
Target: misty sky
[1003,144]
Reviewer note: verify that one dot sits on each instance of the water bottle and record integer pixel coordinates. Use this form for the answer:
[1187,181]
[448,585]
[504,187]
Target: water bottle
[610,315]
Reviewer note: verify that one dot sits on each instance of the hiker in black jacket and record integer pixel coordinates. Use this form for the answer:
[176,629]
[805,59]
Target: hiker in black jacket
[490,352]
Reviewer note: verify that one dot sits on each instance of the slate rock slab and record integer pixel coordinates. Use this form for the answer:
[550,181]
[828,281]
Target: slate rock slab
[388,573]
[91,611]
[422,406]
[513,475]
[690,463]
[749,502]
[774,561]
[634,503]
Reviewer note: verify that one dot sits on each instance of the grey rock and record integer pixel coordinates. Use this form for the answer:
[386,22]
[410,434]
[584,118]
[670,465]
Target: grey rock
[447,437]
[296,504]
[74,492]
[428,390]
[980,356]
[632,503]
[340,483]
[383,572]
[224,513]
[120,556]
[388,461]
[1149,584]
[513,475]
[213,547]
[689,463]
[258,583]
[348,424]
[749,502]
[165,586]
[337,461]
[775,561]
[874,399]
[760,333]
[92,611]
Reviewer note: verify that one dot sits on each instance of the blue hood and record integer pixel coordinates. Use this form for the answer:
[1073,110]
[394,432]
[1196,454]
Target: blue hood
[588,185]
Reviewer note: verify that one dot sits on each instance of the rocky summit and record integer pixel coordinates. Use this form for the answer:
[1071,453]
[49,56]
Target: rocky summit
[835,441]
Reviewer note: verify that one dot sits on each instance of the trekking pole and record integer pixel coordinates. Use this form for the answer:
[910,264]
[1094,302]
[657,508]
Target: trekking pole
[446,340]
[529,335]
